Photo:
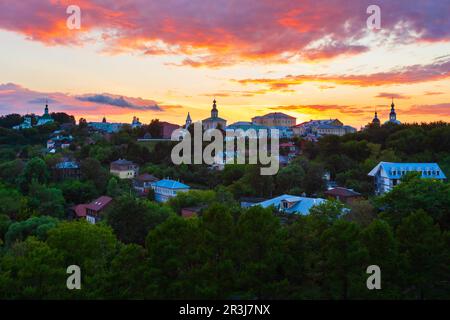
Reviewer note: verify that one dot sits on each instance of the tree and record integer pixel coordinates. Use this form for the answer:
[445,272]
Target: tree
[422,245]
[34,226]
[132,219]
[362,212]
[382,246]
[91,169]
[5,222]
[81,243]
[46,200]
[76,191]
[35,170]
[128,276]
[344,260]
[176,256]
[12,203]
[32,270]
[414,193]
[113,189]
[258,251]
[218,225]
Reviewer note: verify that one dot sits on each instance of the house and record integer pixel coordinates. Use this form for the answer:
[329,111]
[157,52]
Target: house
[124,169]
[166,189]
[167,129]
[275,119]
[246,127]
[343,194]
[58,141]
[291,204]
[26,124]
[104,126]
[322,128]
[67,170]
[247,202]
[214,121]
[92,211]
[191,211]
[388,174]
[143,183]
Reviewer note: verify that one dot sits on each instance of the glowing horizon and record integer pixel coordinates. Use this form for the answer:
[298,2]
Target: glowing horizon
[309,59]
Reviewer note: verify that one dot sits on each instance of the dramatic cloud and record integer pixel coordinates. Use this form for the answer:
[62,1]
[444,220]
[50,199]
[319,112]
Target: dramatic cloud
[226,32]
[442,109]
[438,70]
[118,102]
[388,95]
[22,100]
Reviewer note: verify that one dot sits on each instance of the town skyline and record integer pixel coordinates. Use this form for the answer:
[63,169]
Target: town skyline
[310,60]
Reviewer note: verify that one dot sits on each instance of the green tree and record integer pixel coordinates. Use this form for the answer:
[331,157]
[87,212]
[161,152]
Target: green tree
[344,259]
[46,200]
[423,247]
[113,189]
[258,252]
[414,193]
[176,256]
[32,270]
[34,226]
[132,219]
[35,170]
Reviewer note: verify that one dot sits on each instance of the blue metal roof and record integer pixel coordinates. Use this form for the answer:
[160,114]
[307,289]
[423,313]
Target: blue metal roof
[302,204]
[395,170]
[67,165]
[170,184]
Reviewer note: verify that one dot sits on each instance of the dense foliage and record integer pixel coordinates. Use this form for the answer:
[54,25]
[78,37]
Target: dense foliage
[142,249]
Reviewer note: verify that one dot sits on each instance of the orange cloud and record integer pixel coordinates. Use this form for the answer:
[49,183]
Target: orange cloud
[407,75]
[227,32]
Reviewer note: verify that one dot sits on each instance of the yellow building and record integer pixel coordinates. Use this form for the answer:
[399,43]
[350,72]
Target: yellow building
[124,169]
[275,119]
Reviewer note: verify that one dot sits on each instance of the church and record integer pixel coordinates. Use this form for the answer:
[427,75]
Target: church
[214,122]
[392,117]
[46,118]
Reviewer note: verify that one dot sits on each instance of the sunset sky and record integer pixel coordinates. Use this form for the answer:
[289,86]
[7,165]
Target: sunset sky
[312,59]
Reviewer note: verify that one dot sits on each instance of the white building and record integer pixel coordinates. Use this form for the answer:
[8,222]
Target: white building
[166,189]
[388,174]
[214,121]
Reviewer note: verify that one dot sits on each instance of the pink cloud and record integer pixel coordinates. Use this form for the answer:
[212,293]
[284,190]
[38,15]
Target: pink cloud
[22,100]
[225,32]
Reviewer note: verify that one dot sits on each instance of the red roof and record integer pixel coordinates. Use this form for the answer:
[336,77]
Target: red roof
[342,192]
[99,204]
[145,177]
[80,210]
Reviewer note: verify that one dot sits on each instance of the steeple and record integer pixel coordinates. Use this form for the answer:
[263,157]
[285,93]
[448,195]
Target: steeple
[188,120]
[214,111]
[392,114]
[375,120]
[46,107]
